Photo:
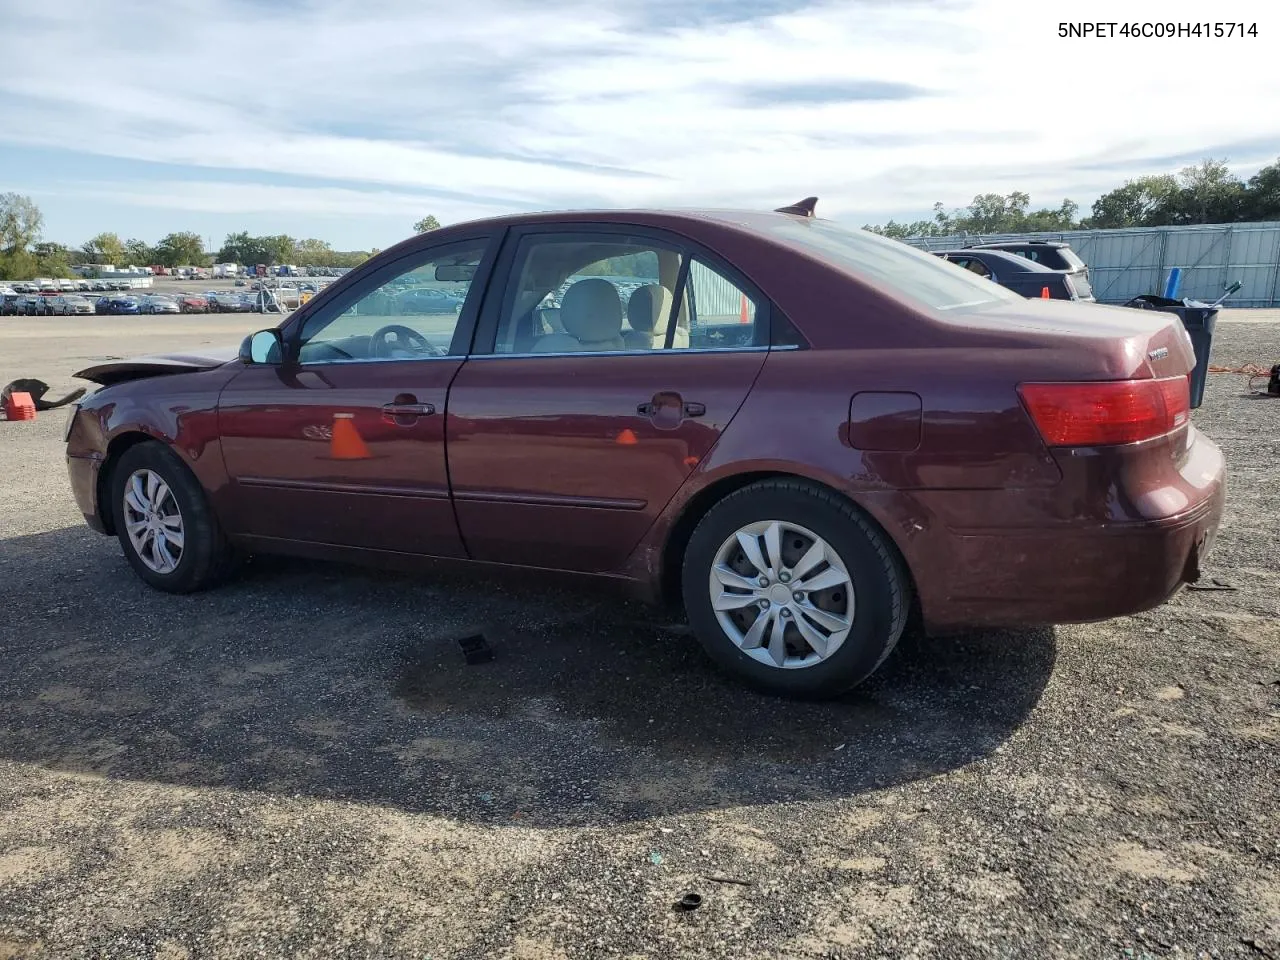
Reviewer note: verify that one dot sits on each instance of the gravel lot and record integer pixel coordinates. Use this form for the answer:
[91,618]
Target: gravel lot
[301,765]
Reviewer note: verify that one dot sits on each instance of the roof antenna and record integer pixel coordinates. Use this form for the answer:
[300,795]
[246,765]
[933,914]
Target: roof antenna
[802,209]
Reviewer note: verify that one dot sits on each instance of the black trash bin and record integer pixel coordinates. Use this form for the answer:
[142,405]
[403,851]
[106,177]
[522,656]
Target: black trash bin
[1198,319]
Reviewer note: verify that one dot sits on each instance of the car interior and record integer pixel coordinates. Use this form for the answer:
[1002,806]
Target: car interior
[617,295]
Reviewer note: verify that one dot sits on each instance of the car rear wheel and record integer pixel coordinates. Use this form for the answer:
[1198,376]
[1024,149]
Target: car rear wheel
[793,590]
[162,518]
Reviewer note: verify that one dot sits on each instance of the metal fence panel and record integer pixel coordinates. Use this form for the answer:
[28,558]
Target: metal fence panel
[1127,263]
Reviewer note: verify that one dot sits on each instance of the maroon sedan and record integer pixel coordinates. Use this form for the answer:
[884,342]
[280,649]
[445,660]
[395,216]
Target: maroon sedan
[800,432]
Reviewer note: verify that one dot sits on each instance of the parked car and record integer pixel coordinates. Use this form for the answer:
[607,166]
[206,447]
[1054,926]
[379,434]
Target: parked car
[83,286]
[9,302]
[193,303]
[229,302]
[156,303]
[117,305]
[70,306]
[1017,273]
[1053,254]
[32,305]
[420,300]
[890,434]
[98,285]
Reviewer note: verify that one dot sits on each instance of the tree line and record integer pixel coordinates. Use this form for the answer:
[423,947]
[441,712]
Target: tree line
[23,255]
[1207,192]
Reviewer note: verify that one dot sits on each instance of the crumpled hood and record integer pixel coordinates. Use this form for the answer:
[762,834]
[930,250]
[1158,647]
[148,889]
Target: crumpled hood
[135,368]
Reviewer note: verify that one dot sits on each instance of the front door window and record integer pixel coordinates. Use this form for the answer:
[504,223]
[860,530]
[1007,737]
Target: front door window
[412,316]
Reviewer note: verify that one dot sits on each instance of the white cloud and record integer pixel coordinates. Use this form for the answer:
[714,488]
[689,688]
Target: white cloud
[209,196]
[512,103]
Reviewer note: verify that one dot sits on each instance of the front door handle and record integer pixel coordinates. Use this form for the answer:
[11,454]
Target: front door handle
[405,409]
[693,409]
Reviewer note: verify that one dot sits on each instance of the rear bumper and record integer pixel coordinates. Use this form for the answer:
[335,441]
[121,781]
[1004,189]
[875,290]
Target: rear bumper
[1073,577]
[83,472]
[1085,572]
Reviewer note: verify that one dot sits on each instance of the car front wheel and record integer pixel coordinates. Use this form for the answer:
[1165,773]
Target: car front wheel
[793,590]
[169,534]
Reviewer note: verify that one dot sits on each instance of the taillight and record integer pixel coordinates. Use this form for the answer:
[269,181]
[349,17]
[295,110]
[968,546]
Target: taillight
[1098,413]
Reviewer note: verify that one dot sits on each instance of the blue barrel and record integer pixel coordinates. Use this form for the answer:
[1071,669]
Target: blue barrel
[1173,283]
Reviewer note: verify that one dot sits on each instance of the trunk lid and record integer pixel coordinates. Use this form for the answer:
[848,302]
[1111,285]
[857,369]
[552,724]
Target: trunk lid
[1066,340]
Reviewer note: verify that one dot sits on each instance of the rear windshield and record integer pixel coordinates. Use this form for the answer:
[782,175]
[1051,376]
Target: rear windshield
[903,269]
[1071,257]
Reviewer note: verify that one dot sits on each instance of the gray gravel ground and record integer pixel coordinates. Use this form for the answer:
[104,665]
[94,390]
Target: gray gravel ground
[301,765]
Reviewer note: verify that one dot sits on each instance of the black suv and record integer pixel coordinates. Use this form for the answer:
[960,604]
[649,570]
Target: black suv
[1019,274]
[1048,253]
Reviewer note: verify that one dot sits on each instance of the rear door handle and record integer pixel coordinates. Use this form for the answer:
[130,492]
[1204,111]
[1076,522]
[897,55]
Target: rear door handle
[694,409]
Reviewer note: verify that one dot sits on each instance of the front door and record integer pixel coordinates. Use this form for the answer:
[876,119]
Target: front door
[598,384]
[344,444]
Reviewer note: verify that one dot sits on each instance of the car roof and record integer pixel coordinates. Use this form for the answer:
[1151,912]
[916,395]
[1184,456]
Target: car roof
[752,220]
[1016,244]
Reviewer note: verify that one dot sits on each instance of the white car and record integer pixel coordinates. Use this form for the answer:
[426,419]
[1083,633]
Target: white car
[67,286]
[69,306]
[158,304]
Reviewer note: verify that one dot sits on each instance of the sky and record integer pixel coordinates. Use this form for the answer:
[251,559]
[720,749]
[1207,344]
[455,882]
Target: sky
[348,121]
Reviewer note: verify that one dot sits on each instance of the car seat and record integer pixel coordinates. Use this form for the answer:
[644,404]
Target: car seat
[648,313]
[591,314]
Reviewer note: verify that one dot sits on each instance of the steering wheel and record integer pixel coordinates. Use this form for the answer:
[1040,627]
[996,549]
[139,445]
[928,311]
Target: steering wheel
[406,341]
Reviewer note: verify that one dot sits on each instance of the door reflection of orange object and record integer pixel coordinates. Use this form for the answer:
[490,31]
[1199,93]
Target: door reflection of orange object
[347,443]
[627,438]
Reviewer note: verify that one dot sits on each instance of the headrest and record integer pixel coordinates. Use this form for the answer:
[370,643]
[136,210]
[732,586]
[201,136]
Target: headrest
[649,308]
[591,310]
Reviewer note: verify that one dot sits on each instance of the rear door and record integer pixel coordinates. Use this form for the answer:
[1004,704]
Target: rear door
[594,390]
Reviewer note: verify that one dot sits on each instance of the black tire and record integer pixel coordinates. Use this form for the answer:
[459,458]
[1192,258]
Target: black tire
[881,582]
[206,558]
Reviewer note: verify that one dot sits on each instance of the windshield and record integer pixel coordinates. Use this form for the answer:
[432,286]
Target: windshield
[890,263]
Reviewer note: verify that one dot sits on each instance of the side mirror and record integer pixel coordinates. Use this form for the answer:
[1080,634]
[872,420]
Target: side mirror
[264,347]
